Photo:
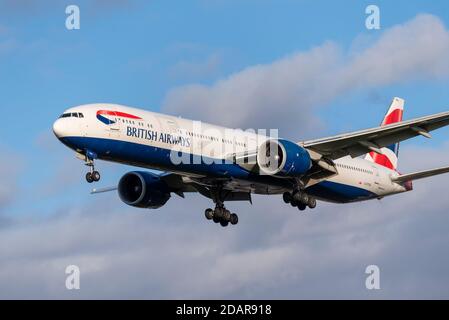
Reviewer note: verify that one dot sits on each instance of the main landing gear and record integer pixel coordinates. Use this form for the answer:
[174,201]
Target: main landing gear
[92,175]
[299,199]
[220,214]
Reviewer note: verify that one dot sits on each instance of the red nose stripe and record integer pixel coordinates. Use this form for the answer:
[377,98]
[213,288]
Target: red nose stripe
[118,114]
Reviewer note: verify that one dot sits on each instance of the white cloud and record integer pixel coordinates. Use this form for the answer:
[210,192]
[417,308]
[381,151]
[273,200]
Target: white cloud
[285,93]
[274,252]
[10,166]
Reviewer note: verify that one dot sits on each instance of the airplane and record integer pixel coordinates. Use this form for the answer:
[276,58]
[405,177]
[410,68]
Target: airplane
[225,164]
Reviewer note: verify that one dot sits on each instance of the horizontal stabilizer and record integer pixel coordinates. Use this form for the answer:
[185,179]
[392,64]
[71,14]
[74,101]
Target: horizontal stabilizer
[420,175]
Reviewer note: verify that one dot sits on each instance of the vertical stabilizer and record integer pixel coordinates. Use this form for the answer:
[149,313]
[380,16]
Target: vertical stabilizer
[389,158]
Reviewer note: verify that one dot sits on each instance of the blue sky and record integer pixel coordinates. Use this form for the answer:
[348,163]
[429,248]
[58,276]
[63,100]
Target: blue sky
[124,52]
[138,52]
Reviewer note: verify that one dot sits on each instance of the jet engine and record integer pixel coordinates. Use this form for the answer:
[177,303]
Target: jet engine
[283,158]
[143,190]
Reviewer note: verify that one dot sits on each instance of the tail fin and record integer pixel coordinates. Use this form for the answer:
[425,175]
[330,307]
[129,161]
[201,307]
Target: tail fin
[389,158]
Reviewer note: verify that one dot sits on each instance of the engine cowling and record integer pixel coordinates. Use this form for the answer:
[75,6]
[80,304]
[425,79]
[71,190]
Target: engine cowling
[143,190]
[283,158]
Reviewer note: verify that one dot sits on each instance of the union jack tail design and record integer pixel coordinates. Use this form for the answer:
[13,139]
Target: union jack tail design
[389,158]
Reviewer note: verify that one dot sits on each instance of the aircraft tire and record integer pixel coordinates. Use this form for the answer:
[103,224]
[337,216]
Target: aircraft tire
[234,219]
[209,213]
[287,197]
[312,203]
[89,177]
[224,223]
[96,176]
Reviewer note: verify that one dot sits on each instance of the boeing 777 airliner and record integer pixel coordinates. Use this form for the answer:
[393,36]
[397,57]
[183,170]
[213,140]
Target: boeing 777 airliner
[229,165]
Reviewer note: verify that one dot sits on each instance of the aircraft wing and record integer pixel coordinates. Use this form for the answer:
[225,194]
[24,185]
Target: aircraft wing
[174,181]
[420,175]
[179,184]
[361,142]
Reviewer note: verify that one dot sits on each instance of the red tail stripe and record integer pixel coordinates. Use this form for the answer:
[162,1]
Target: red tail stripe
[393,117]
[382,160]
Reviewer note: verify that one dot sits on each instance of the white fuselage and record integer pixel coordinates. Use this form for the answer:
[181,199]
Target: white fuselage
[152,140]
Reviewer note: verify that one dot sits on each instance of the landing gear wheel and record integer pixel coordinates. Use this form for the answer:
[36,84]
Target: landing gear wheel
[218,213]
[293,203]
[302,207]
[209,213]
[89,177]
[226,215]
[287,197]
[234,219]
[224,223]
[311,203]
[304,198]
[96,176]
[92,175]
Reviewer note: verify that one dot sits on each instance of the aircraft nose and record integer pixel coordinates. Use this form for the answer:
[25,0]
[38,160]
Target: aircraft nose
[58,128]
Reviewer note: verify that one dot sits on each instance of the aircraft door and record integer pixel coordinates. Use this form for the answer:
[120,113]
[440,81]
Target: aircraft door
[378,188]
[114,126]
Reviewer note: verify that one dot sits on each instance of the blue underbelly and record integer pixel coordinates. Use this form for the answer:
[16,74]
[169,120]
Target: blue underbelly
[338,192]
[159,158]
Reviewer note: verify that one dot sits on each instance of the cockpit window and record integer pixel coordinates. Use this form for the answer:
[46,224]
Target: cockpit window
[73,114]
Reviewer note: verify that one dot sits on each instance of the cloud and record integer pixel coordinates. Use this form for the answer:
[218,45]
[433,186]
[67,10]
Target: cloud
[10,167]
[274,252]
[286,93]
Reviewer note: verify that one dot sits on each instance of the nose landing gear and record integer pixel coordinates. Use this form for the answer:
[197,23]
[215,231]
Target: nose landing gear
[92,175]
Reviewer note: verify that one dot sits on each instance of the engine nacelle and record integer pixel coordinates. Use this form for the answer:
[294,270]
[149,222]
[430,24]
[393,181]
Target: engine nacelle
[143,190]
[283,158]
